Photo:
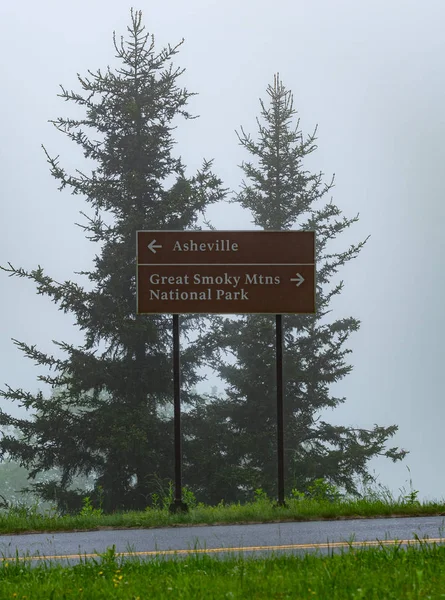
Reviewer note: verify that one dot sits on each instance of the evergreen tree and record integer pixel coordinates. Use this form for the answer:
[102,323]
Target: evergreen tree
[14,480]
[240,431]
[105,421]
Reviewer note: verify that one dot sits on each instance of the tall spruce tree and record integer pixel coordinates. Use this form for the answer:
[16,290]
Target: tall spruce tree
[240,431]
[105,420]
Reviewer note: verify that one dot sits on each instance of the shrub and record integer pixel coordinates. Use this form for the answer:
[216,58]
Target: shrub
[323,491]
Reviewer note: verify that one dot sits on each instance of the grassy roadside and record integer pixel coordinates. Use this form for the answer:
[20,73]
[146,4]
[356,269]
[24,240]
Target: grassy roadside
[375,573]
[323,504]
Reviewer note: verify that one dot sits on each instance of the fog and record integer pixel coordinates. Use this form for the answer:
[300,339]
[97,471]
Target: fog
[370,74]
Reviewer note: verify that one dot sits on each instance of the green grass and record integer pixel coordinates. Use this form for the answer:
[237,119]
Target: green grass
[376,573]
[299,508]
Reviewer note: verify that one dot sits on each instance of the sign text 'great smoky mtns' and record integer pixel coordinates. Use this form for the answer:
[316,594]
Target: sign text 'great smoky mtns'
[231,272]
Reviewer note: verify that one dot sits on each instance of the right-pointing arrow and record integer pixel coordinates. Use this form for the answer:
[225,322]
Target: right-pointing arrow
[299,279]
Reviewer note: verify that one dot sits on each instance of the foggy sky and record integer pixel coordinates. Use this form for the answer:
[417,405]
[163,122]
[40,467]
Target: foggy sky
[369,73]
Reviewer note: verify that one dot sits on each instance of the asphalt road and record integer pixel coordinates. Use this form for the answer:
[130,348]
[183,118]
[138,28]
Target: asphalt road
[223,540]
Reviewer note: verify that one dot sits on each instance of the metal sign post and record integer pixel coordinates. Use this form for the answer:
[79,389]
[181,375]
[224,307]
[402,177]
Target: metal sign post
[226,272]
[178,505]
[280,408]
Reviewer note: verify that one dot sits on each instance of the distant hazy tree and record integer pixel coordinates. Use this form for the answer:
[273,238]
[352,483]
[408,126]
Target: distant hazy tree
[105,419]
[14,479]
[237,434]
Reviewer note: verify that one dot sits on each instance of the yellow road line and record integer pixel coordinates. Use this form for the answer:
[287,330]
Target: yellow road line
[240,549]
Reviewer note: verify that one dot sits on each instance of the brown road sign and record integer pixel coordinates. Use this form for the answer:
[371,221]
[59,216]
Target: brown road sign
[226,272]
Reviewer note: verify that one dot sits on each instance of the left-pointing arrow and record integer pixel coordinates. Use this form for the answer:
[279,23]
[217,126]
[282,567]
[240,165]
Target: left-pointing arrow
[299,279]
[152,246]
